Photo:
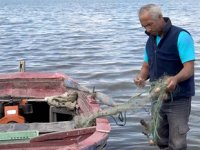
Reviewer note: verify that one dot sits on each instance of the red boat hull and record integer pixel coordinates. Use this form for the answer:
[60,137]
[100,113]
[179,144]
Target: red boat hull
[39,85]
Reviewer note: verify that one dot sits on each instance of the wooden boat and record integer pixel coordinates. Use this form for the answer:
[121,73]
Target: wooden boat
[28,122]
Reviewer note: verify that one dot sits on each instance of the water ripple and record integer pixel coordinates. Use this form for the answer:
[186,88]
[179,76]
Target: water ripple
[99,43]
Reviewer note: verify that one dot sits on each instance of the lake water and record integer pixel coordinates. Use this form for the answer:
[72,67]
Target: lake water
[97,42]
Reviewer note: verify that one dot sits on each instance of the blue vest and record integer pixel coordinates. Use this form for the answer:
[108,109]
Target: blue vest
[163,59]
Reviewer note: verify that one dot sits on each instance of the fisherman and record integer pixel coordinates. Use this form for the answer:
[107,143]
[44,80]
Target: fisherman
[169,51]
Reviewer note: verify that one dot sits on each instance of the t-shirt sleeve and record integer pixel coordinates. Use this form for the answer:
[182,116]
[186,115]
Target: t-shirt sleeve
[145,56]
[186,47]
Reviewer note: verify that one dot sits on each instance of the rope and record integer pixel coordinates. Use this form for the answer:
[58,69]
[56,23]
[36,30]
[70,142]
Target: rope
[121,118]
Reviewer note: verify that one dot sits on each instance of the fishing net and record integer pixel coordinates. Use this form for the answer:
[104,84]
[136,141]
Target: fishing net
[67,100]
[85,121]
[155,94]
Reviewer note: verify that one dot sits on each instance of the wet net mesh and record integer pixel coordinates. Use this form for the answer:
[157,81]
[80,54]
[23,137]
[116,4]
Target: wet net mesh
[155,94]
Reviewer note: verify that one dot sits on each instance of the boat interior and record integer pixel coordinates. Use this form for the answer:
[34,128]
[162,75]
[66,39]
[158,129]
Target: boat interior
[23,105]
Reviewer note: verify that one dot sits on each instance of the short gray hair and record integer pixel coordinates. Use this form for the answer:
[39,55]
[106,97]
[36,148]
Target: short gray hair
[154,10]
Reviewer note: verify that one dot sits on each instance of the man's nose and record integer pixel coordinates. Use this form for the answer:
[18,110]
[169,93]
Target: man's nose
[148,29]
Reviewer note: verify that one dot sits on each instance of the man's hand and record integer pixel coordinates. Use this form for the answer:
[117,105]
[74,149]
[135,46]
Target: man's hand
[142,76]
[171,84]
[184,74]
[140,82]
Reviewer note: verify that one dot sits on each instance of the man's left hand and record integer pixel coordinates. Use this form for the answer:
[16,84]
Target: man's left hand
[171,84]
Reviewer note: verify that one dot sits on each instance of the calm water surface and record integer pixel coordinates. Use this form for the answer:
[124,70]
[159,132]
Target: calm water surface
[99,43]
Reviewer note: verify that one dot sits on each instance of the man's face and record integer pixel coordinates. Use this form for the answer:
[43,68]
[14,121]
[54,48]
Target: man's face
[151,25]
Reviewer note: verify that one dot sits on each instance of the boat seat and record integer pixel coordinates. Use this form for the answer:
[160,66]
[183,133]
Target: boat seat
[53,111]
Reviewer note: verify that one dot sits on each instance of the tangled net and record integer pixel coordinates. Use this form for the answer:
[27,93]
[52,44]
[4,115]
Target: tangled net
[67,100]
[157,93]
[132,104]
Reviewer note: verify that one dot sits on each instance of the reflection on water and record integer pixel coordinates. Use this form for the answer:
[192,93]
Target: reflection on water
[99,43]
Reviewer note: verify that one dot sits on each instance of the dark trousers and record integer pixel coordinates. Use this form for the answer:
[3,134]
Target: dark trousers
[173,126]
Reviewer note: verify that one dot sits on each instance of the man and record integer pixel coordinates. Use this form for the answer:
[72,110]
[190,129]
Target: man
[169,51]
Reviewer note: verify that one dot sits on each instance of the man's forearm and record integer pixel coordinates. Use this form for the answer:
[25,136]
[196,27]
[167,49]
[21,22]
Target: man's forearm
[186,72]
[144,72]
